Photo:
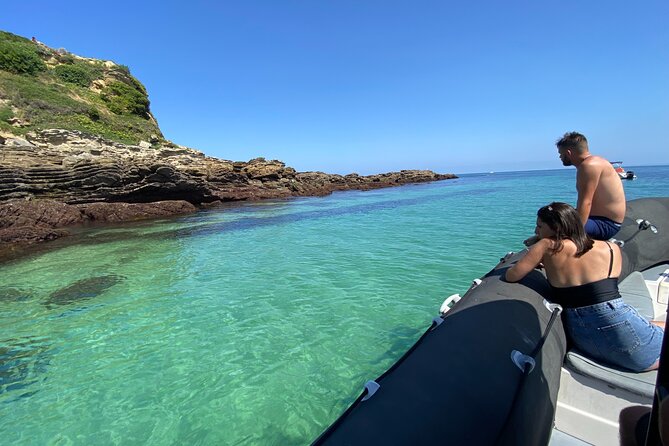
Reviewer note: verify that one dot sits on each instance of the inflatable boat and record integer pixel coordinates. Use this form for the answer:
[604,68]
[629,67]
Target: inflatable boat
[494,368]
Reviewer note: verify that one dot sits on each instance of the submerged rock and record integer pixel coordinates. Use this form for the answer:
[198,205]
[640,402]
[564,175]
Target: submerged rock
[9,294]
[83,289]
[22,361]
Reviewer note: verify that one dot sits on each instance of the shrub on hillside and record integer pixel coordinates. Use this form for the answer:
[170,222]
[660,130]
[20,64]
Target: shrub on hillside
[122,74]
[124,99]
[20,58]
[65,58]
[5,36]
[94,114]
[81,74]
[6,114]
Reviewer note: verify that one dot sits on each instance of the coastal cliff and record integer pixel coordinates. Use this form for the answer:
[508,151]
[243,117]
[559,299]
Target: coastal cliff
[79,144]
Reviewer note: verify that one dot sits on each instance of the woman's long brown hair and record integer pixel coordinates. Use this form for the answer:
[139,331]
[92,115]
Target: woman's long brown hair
[566,223]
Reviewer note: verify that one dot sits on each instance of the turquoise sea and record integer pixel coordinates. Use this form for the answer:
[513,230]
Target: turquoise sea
[250,323]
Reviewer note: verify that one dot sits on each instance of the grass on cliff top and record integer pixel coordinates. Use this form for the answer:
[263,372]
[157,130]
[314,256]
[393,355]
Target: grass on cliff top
[44,88]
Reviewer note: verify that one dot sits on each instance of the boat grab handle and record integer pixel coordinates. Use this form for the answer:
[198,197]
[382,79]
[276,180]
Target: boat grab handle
[553,307]
[371,387]
[522,361]
[645,224]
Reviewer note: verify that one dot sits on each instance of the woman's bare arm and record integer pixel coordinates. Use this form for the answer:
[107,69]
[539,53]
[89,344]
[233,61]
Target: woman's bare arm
[528,262]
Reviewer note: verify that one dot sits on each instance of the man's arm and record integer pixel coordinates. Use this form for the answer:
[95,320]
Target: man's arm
[528,262]
[587,179]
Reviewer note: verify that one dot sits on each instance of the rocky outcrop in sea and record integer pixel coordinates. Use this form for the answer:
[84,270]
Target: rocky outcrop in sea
[51,179]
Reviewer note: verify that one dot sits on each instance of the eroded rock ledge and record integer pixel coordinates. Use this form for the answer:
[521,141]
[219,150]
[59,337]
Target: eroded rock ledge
[56,178]
[40,220]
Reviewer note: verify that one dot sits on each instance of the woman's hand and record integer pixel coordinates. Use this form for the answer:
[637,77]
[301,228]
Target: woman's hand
[531,241]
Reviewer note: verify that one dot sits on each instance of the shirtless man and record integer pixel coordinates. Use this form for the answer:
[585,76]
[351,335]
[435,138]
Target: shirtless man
[601,197]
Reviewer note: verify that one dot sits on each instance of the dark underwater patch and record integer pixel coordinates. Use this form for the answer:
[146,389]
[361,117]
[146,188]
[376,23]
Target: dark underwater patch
[82,290]
[22,363]
[9,294]
[76,310]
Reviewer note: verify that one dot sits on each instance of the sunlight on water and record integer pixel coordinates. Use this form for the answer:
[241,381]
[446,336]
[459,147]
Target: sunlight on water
[248,324]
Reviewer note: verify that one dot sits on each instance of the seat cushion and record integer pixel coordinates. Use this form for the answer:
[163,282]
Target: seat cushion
[635,293]
[639,383]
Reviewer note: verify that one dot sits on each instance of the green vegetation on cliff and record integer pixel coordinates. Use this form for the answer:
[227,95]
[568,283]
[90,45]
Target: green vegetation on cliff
[42,88]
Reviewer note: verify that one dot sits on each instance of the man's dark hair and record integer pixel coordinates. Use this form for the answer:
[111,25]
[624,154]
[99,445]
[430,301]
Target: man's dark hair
[565,221]
[573,141]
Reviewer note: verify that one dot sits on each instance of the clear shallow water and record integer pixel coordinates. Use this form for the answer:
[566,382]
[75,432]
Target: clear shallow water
[248,324]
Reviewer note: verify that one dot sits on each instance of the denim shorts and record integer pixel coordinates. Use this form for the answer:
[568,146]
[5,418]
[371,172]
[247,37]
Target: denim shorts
[614,333]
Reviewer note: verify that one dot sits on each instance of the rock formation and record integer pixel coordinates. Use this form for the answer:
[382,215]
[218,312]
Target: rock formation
[57,170]
[55,178]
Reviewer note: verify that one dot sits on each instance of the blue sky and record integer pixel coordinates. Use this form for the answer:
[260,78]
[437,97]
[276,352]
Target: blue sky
[372,86]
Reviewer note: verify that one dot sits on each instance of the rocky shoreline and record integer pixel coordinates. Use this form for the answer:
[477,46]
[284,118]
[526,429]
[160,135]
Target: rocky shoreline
[54,179]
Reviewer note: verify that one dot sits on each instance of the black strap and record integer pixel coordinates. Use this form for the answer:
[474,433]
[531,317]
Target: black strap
[555,313]
[611,260]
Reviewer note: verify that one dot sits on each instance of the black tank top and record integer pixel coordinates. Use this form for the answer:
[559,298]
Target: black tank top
[588,294]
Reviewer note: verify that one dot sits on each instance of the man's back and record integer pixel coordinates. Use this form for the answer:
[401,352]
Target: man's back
[601,197]
[608,199]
